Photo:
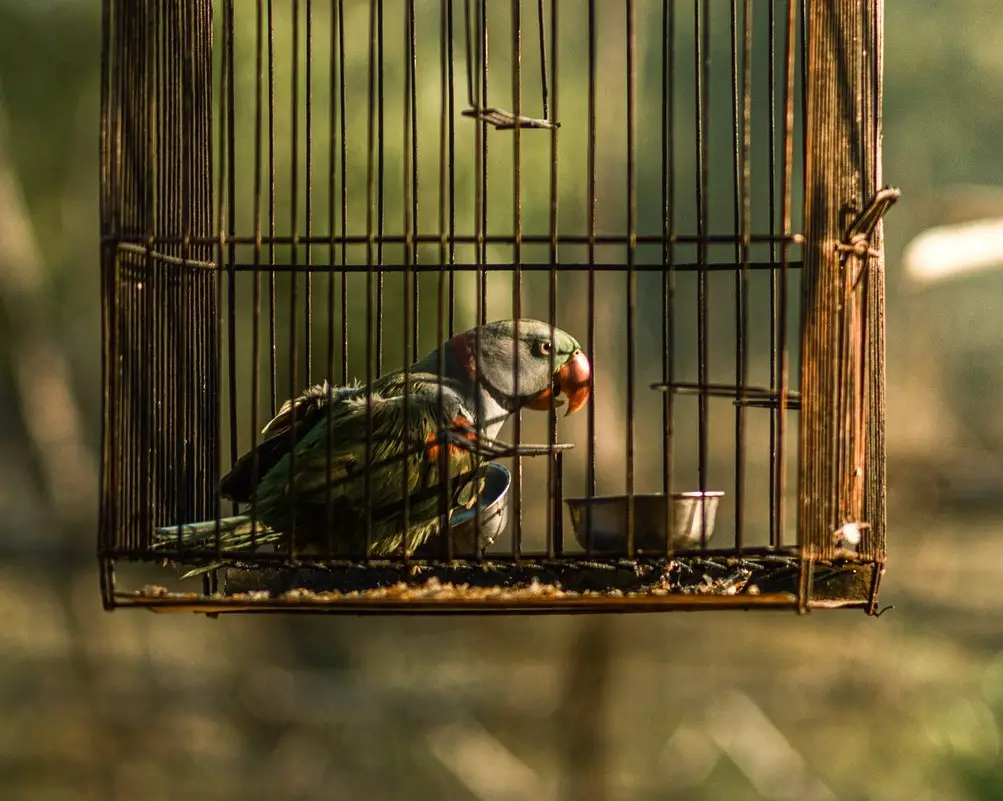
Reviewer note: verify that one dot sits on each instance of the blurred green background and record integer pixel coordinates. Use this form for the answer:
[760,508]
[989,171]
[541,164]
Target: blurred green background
[746,706]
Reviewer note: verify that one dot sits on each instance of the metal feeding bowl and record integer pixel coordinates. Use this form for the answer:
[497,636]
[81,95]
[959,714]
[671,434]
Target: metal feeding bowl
[605,516]
[493,502]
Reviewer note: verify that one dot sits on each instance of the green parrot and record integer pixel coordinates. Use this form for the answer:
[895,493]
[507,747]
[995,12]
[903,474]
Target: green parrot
[311,465]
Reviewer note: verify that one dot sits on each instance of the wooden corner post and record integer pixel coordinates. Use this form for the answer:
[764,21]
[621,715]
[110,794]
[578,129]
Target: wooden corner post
[842,443]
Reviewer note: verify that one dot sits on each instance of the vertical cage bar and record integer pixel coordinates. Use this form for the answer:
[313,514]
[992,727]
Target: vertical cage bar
[741,133]
[308,199]
[158,176]
[129,165]
[221,220]
[381,140]
[332,202]
[171,213]
[631,277]
[179,217]
[481,210]
[343,165]
[409,195]
[371,143]
[412,70]
[259,69]
[445,306]
[555,463]
[517,259]
[293,272]
[272,218]
[774,262]
[590,468]
[230,230]
[107,468]
[201,212]
[450,113]
[785,212]
[668,260]
[701,35]
[446,167]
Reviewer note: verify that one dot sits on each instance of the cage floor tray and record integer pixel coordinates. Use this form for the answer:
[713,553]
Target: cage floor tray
[702,582]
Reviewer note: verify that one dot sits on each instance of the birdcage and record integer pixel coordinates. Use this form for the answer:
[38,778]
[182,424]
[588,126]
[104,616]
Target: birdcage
[312,193]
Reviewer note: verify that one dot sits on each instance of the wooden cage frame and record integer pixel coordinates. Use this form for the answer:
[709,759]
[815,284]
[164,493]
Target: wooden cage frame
[842,484]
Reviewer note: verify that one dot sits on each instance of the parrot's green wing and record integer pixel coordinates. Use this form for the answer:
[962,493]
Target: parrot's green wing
[279,435]
[406,461]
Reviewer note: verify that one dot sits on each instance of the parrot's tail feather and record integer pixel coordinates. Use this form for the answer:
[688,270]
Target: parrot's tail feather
[202,569]
[235,533]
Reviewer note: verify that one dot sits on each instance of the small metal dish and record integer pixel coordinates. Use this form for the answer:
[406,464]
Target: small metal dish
[606,517]
[493,502]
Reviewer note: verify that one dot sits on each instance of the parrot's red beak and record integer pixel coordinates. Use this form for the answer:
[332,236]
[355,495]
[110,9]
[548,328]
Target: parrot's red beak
[573,381]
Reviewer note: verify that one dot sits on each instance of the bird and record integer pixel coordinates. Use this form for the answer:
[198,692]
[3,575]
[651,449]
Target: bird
[311,466]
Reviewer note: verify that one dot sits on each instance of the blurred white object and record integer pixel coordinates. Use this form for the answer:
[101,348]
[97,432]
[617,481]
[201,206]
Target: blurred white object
[951,251]
[849,534]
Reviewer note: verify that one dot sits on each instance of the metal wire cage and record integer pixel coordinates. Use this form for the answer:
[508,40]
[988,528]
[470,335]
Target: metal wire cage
[327,189]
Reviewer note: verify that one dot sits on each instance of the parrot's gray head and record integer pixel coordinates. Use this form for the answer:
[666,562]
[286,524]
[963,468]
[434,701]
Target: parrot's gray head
[550,363]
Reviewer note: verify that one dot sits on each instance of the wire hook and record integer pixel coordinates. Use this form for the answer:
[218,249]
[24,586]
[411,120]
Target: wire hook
[857,239]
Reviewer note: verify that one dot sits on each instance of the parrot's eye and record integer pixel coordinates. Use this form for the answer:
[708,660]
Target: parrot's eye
[544,347]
